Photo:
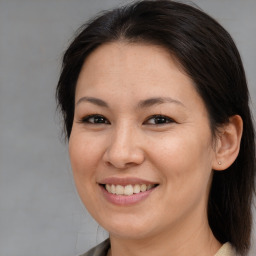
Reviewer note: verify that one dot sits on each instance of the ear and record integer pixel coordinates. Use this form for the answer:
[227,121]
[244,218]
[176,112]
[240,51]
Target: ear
[228,143]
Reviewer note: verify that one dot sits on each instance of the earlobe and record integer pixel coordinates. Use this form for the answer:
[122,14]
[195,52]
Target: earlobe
[228,143]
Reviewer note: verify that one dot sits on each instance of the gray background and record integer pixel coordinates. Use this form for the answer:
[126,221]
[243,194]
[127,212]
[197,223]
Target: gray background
[40,213]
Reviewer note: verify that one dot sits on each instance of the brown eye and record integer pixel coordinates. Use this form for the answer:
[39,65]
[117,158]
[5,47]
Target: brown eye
[95,119]
[159,119]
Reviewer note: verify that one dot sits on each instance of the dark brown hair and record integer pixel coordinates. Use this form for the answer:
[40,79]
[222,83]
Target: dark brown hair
[209,56]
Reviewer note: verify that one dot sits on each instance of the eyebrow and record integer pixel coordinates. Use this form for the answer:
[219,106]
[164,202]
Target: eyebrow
[94,101]
[142,104]
[158,100]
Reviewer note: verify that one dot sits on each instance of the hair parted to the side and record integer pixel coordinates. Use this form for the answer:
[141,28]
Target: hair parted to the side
[209,56]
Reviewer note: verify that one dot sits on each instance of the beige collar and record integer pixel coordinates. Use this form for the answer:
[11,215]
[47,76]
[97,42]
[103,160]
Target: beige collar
[226,250]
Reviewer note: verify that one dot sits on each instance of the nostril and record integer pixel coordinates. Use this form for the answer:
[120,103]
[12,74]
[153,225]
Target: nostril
[122,161]
[123,152]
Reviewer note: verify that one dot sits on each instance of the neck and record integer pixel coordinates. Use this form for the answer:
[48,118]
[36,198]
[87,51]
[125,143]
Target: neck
[182,240]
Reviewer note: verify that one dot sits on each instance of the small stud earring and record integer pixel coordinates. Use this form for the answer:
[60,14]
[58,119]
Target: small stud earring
[219,163]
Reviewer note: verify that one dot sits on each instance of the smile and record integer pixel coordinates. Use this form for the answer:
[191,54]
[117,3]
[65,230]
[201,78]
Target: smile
[128,190]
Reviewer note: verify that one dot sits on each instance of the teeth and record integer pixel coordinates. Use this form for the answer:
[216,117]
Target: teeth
[108,188]
[150,186]
[136,189]
[113,189]
[119,190]
[128,189]
[143,187]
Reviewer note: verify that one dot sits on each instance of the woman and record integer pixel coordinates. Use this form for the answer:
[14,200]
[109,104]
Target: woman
[161,140]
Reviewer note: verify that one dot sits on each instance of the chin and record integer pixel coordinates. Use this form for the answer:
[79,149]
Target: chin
[129,228]
[130,233]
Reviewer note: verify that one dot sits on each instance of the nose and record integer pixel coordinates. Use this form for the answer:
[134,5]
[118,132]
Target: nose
[125,148]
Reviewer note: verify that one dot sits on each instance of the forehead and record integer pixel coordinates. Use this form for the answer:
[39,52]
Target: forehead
[126,51]
[135,70]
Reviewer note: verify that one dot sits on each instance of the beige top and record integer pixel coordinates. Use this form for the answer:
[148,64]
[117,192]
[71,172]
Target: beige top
[102,250]
[226,250]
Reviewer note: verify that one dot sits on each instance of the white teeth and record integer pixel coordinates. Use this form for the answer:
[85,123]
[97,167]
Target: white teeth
[128,189]
[112,189]
[108,188]
[150,186]
[136,189]
[119,190]
[143,187]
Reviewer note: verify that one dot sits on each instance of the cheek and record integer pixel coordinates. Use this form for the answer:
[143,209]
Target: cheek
[185,165]
[84,157]
[185,160]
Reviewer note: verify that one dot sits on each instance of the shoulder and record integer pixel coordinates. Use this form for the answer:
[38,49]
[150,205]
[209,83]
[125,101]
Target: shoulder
[226,250]
[99,250]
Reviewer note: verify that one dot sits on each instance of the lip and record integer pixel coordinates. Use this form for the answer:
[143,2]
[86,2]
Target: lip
[124,200]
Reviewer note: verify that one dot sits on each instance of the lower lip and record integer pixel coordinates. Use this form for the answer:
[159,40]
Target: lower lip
[126,200]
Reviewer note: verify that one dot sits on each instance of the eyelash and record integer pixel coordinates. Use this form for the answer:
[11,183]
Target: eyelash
[86,119]
[162,118]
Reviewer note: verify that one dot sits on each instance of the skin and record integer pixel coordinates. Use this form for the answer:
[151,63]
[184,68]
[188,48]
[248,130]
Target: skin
[178,154]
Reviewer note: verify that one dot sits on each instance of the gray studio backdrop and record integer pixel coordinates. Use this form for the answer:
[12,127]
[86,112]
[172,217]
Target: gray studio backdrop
[40,212]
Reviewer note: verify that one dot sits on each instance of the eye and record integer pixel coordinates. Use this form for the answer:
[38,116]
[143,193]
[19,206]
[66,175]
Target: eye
[158,120]
[95,119]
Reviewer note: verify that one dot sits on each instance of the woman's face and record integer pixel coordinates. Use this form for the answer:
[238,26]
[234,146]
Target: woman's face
[141,146]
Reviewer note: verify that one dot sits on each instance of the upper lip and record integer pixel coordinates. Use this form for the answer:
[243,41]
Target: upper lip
[125,181]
